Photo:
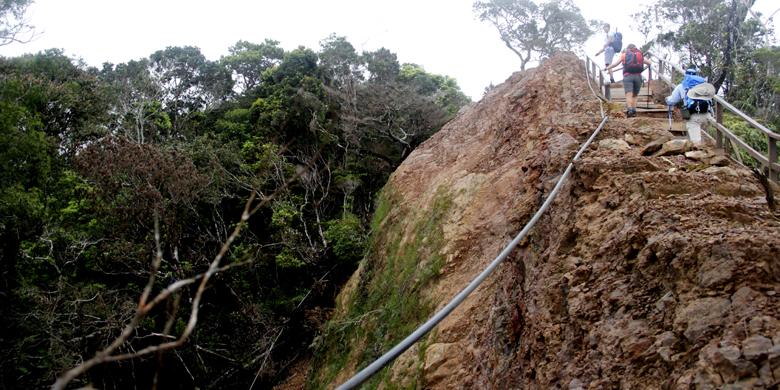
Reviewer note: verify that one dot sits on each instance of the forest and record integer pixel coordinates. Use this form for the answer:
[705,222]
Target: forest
[196,218]
[96,162]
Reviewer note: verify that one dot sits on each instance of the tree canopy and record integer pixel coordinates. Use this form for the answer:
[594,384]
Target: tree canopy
[13,25]
[97,162]
[535,31]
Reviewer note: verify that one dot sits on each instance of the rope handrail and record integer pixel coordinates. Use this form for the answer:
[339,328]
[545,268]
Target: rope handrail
[426,327]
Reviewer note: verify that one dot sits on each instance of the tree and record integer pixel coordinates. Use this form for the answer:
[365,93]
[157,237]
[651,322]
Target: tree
[189,81]
[382,65]
[710,34]
[759,96]
[136,101]
[13,26]
[247,61]
[532,31]
[443,89]
[291,97]
[340,63]
[69,102]
[394,119]
[90,160]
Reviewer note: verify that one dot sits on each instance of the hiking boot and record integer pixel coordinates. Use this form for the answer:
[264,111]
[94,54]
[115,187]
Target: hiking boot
[611,80]
[631,112]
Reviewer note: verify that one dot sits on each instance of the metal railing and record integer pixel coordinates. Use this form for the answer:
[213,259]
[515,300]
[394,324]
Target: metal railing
[768,161]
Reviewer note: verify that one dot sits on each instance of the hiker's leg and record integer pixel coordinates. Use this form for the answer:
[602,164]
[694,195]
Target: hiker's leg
[694,127]
[608,54]
[628,88]
[631,85]
[637,84]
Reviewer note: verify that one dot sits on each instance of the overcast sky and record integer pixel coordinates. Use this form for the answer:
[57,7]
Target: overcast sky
[443,36]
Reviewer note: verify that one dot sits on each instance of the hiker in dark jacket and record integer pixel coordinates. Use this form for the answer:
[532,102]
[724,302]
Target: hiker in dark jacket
[633,65]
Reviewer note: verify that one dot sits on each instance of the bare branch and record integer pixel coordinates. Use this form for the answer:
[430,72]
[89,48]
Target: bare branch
[144,308]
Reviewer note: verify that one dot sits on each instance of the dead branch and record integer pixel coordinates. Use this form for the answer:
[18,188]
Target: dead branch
[145,305]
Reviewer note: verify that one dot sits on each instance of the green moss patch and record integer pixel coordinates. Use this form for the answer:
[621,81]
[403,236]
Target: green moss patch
[388,302]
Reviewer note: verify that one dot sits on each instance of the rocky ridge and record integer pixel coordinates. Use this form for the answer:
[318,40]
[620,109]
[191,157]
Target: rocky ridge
[658,271]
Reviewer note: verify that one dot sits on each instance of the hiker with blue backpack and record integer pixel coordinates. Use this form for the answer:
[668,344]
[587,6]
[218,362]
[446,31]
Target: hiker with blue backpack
[694,96]
[633,65]
[612,44]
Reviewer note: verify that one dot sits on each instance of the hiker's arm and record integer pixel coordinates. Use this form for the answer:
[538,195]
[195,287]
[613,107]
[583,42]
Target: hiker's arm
[647,62]
[616,63]
[676,96]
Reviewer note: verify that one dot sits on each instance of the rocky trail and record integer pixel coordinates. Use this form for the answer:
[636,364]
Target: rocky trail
[656,267]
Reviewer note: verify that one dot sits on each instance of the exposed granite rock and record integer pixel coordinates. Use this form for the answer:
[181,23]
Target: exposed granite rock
[645,273]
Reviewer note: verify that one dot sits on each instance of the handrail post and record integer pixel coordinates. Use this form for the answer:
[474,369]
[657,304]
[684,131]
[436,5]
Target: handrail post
[719,120]
[660,68]
[773,174]
[607,91]
[587,64]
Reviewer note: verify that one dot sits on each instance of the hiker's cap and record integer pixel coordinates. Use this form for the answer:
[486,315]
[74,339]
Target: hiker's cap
[631,46]
[704,91]
[692,71]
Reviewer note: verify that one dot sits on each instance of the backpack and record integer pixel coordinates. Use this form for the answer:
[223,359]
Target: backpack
[634,62]
[617,42]
[698,106]
[694,105]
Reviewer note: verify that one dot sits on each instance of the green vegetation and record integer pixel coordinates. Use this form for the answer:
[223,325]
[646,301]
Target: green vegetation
[753,137]
[388,302]
[729,42]
[91,158]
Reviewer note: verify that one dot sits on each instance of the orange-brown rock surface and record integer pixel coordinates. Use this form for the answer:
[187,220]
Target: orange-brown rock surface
[647,272]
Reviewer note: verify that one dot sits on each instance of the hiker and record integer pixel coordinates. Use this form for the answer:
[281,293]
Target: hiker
[633,65]
[694,97]
[612,44]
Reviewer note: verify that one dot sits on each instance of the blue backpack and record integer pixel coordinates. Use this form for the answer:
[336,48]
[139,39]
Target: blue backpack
[694,105]
[617,42]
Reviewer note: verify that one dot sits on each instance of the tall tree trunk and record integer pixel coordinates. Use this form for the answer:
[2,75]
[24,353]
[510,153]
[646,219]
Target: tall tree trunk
[738,11]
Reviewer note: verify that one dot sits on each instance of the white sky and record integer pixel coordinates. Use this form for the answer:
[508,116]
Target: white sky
[444,36]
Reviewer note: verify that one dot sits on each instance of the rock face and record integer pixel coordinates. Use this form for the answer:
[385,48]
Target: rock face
[647,272]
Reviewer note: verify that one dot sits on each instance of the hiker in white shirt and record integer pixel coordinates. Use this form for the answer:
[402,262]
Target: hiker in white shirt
[609,49]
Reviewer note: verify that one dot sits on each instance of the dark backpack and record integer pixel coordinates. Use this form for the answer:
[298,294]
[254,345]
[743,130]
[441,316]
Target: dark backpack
[698,106]
[617,42]
[634,62]
[695,106]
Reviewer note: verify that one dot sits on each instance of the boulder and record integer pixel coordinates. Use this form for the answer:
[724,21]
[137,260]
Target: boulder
[655,146]
[698,155]
[700,315]
[614,144]
[719,161]
[675,147]
[755,346]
